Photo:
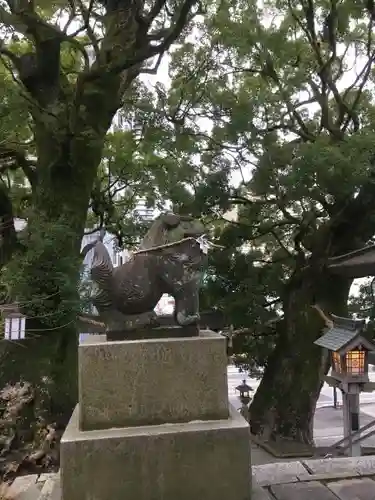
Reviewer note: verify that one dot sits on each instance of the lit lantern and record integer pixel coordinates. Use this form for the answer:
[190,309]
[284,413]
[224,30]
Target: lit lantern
[349,352]
[14,322]
[348,349]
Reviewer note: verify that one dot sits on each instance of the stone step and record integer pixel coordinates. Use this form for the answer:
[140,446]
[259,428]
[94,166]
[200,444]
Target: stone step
[24,488]
[34,487]
[51,489]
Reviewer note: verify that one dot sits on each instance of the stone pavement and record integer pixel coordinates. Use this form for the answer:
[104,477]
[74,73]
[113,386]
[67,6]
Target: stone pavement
[235,378]
[329,425]
[325,479]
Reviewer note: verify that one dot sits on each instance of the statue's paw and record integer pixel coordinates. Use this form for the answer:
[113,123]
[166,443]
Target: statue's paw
[184,320]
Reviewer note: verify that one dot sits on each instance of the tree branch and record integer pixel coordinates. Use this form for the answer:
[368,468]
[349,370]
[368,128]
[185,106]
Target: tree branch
[281,244]
[9,20]
[354,224]
[38,70]
[365,73]
[16,158]
[26,21]
[325,67]
[154,69]
[147,51]
[269,70]
[155,11]
[86,13]
[328,322]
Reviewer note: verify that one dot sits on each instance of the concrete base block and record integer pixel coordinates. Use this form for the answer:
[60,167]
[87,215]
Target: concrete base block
[152,381]
[190,461]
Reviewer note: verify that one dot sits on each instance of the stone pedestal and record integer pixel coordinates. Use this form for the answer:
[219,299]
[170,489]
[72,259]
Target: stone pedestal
[153,423]
[153,381]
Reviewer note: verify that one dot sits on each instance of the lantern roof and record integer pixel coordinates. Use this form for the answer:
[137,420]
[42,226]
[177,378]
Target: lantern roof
[11,310]
[344,335]
[244,387]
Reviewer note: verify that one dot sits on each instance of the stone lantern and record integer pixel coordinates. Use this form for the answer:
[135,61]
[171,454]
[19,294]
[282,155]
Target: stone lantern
[245,399]
[244,391]
[349,351]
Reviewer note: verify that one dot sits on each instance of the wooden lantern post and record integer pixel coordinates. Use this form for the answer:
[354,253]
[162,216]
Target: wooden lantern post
[349,351]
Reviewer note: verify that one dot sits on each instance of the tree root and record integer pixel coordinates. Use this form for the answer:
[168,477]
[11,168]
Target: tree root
[27,442]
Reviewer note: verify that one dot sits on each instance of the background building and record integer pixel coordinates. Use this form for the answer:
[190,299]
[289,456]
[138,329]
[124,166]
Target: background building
[144,212]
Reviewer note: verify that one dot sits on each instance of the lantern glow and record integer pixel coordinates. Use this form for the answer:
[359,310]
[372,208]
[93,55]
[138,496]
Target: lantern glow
[355,362]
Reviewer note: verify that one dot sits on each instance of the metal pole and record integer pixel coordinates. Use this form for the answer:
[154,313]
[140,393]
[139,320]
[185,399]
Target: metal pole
[335,398]
[354,423]
[347,421]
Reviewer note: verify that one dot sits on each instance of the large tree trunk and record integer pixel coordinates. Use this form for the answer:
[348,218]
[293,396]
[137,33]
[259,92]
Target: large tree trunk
[43,278]
[284,404]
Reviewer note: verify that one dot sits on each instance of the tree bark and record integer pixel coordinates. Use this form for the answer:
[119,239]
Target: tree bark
[284,404]
[43,278]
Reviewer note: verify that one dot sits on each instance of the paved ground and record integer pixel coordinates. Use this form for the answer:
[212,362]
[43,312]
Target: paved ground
[326,396]
[327,479]
[33,487]
[328,422]
[329,425]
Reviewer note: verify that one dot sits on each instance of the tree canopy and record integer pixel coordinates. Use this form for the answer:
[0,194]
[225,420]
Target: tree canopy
[275,104]
[273,107]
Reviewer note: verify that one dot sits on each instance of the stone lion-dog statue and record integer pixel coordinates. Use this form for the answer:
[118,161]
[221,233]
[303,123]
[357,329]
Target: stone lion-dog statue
[170,260]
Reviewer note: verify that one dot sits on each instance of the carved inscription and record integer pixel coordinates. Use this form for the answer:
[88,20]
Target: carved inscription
[104,354]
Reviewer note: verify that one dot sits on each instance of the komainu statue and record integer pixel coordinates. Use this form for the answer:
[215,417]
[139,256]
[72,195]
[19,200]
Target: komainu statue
[170,260]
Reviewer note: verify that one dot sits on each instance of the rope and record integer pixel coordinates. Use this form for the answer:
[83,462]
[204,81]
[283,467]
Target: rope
[49,329]
[90,321]
[37,299]
[165,245]
[168,245]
